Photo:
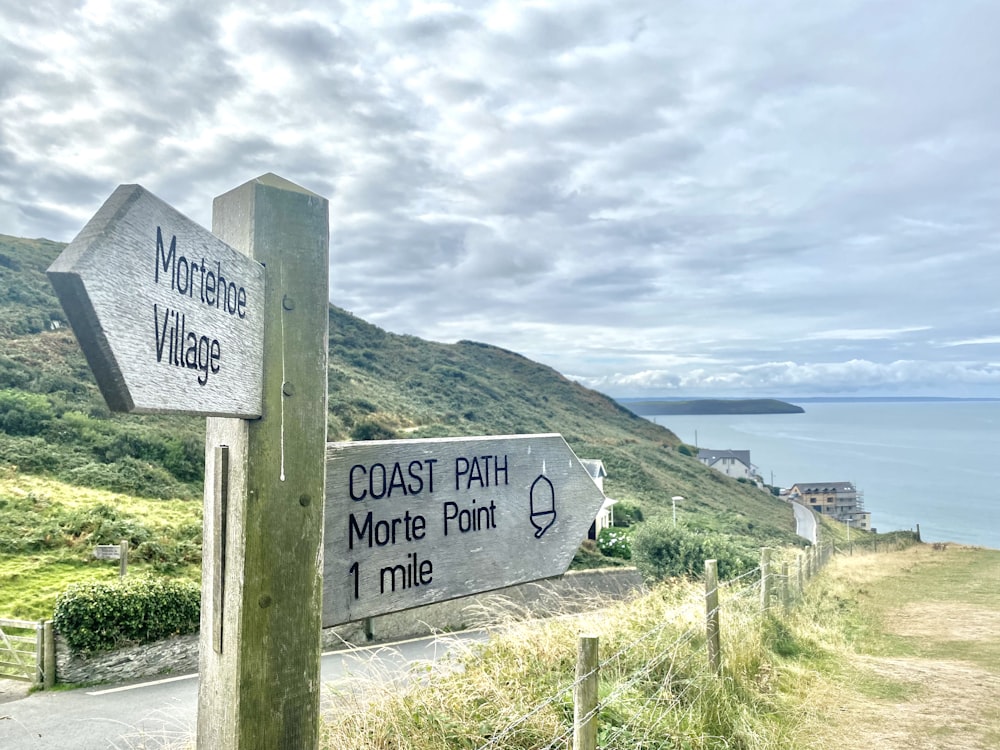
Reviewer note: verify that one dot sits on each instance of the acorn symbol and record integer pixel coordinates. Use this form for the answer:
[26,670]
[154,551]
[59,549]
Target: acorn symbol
[543,505]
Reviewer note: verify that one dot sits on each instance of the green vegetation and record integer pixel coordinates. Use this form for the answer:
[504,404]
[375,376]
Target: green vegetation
[48,531]
[513,692]
[55,427]
[656,407]
[102,616]
[661,550]
[883,650]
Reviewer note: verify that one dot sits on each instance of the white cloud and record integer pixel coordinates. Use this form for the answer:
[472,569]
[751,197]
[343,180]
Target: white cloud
[647,195]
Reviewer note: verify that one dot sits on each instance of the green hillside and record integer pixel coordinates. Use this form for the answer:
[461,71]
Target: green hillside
[53,422]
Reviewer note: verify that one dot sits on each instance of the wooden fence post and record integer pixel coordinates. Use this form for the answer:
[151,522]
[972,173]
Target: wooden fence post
[585,693]
[802,583]
[48,655]
[765,579]
[40,653]
[786,598]
[712,616]
[259,656]
[122,558]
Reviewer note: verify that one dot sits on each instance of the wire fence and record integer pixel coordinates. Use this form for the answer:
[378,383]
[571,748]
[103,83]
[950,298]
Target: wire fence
[642,694]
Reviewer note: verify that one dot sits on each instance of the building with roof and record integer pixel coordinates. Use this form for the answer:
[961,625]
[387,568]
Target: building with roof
[839,500]
[735,464]
[606,515]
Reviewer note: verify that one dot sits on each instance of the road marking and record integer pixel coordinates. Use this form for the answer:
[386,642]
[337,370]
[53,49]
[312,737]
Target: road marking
[138,685]
[348,651]
[375,647]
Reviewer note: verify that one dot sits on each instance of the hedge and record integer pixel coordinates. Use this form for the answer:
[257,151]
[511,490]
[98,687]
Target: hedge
[660,550]
[99,616]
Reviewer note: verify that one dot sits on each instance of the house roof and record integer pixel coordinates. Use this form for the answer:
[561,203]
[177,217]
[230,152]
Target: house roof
[594,467]
[818,488]
[711,456]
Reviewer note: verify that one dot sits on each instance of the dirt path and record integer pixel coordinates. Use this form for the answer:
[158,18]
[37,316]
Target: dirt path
[933,680]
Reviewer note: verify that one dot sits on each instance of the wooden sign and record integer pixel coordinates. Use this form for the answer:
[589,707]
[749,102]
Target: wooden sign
[169,316]
[412,522]
[107,552]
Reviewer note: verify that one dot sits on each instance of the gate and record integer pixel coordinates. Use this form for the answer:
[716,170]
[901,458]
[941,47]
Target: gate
[21,650]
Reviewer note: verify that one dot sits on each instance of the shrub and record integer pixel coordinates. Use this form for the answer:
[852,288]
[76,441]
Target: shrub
[661,551]
[686,450]
[614,542]
[372,430]
[99,616]
[24,413]
[26,527]
[627,514]
[129,476]
[102,524]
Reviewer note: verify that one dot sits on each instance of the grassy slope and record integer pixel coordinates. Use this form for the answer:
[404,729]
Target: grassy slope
[894,650]
[381,384]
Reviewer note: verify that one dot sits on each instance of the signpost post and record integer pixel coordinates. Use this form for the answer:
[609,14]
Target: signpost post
[174,320]
[117,552]
[412,522]
[262,583]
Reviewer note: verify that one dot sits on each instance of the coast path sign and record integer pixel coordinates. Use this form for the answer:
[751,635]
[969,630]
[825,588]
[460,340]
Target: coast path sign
[412,522]
[169,316]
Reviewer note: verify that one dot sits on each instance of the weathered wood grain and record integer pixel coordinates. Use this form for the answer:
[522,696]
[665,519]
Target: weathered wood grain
[262,690]
[142,286]
[411,522]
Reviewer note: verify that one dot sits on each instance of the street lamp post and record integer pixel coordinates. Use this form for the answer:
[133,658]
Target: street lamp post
[673,502]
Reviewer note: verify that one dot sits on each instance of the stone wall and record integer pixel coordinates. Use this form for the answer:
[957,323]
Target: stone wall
[575,591]
[170,656]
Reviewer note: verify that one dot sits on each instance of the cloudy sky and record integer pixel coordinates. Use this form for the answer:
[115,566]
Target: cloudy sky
[652,196]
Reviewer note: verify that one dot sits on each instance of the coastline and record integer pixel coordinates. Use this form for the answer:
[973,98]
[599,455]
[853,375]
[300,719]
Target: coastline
[926,462]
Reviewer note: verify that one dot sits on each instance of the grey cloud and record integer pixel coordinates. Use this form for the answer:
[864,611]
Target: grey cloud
[646,196]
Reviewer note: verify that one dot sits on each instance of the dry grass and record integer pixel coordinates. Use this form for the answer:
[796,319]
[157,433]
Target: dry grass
[924,676]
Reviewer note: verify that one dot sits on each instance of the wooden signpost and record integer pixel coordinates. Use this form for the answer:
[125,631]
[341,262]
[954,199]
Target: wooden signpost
[169,317]
[117,552]
[175,319]
[411,522]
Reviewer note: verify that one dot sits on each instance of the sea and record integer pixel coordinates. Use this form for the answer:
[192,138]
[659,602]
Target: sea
[932,463]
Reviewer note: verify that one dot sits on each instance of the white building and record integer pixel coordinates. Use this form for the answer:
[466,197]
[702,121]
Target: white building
[735,464]
[606,515]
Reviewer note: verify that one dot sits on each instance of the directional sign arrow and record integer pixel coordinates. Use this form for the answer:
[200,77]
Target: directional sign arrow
[169,316]
[411,522]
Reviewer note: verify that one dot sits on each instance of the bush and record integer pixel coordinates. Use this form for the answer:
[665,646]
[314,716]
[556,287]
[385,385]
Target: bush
[661,551]
[372,430]
[100,616]
[24,413]
[102,524]
[627,514]
[614,542]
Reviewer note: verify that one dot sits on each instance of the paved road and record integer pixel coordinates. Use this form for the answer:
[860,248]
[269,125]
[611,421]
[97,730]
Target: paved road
[805,522]
[161,713]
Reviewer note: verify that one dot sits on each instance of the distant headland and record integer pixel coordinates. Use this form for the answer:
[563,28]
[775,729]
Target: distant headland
[656,407]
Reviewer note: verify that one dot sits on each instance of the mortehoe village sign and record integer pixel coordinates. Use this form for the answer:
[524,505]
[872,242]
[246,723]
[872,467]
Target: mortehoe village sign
[168,316]
[232,324]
